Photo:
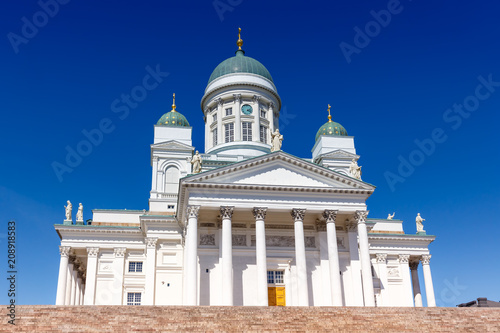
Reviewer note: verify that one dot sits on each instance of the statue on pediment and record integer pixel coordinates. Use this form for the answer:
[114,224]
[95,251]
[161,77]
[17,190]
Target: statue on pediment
[420,225]
[276,140]
[79,213]
[69,209]
[196,162]
[355,170]
[390,217]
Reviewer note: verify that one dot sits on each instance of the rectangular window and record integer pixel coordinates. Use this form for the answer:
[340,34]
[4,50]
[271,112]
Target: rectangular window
[214,137]
[263,113]
[135,267]
[214,117]
[275,277]
[247,131]
[229,111]
[229,135]
[133,298]
[263,134]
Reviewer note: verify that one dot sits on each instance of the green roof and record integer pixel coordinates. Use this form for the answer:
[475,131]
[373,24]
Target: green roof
[173,118]
[240,64]
[331,128]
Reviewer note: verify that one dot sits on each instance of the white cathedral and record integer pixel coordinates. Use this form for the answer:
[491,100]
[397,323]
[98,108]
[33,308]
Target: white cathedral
[244,223]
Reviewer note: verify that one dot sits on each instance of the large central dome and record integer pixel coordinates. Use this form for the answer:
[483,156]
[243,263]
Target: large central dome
[240,64]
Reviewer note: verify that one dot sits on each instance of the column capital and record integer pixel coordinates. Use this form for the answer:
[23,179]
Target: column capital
[219,101]
[298,214]
[256,98]
[426,258]
[93,251]
[330,215]
[414,265]
[351,225]
[151,242]
[404,258]
[226,212]
[64,251]
[192,211]
[237,97]
[271,105]
[120,252]
[259,213]
[381,258]
[360,216]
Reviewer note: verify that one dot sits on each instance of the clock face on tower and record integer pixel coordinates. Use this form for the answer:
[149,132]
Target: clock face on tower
[246,109]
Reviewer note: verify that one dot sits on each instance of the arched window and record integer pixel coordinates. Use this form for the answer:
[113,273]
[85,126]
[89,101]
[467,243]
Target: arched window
[171,179]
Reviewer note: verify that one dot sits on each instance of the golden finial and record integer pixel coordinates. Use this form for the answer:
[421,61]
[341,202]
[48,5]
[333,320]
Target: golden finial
[329,115]
[240,41]
[173,104]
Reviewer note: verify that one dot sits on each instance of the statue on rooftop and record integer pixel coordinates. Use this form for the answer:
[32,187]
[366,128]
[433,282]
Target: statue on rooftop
[390,217]
[69,209]
[420,225]
[196,162]
[355,170]
[276,141]
[79,213]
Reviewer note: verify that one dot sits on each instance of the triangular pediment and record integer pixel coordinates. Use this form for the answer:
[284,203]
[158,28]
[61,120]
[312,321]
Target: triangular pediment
[278,169]
[171,145]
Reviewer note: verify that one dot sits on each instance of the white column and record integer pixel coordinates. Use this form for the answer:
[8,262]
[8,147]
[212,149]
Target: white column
[333,257]
[357,286]
[417,296]
[364,251]
[74,276]
[429,288]
[78,291]
[256,119]
[69,281]
[300,257]
[261,257]
[149,290]
[226,214]
[63,272]
[405,274]
[382,275]
[220,115]
[82,290]
[192,256]
[119,268]
[154,183]
[237,118]
[91,274]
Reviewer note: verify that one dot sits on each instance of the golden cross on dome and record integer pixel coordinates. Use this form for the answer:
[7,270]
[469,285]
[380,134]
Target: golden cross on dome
[240,41]
[329,115]
[173,104]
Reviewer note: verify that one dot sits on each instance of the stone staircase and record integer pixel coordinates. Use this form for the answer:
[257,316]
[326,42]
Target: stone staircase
[46,318]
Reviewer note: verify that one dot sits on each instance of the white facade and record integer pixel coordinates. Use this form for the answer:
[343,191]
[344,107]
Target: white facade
[253,228]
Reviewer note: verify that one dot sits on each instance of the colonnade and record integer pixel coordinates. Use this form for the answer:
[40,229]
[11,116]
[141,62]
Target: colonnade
[71,282]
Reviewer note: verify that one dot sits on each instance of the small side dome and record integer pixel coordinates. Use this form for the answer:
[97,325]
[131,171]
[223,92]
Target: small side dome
[331,128]
[173,118]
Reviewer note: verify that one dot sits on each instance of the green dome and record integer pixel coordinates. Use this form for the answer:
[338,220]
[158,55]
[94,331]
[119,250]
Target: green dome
[173,118]
[331,128]
[240,64]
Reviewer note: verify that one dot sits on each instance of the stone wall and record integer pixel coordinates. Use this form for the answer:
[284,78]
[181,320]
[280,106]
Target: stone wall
[44,318]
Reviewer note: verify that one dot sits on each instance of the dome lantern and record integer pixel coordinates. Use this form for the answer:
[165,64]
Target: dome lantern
[173,118]
[331,128]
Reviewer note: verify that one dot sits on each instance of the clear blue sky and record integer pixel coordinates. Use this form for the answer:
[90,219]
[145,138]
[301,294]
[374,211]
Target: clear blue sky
[397,88]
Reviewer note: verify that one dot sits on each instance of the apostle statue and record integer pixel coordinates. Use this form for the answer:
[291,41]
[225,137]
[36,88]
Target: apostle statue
[69,209]
[276,140]
[79,213]
[420,226]
[390,217]
[355,170]
[196,162]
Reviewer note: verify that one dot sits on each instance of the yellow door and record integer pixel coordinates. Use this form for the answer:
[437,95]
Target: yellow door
[276,296]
